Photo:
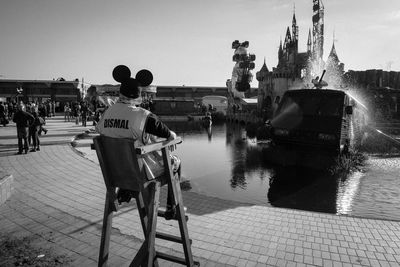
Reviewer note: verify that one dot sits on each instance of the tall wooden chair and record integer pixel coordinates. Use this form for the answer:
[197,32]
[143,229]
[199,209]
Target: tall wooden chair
[123,168]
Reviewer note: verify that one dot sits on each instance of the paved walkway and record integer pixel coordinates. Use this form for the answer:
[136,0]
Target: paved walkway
[59,196]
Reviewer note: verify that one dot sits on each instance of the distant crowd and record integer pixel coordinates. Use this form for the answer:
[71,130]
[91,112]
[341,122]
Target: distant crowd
[30,119]
[78,111]
[8,109]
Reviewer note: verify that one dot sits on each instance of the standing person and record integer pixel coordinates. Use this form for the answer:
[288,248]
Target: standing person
[3,117]
[77,113]
[48,108]
[67,112]
[42,111]
[126,119]
[84,113]
[42,114]
[53,108]
[22,119]
[34,129]
[10,109]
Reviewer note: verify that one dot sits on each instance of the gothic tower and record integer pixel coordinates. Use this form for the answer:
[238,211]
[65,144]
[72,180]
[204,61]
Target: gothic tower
[295,34]
[334,68]
[309,47]
[318,35]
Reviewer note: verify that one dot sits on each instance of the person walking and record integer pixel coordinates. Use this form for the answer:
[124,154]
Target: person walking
[42,114]
[77,113]
[34,129]
[84,113]
[22,119]
[67,112]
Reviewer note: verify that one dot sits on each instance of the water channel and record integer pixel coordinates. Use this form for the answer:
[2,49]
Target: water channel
[223,162]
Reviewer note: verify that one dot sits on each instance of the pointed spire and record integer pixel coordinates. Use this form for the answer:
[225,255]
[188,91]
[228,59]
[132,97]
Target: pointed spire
[309,41]
[264,67]
[333,57]
[333,53]
[288,37]
[295,28]
[294,22]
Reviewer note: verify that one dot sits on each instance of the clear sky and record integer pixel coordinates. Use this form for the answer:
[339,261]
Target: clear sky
[185,42]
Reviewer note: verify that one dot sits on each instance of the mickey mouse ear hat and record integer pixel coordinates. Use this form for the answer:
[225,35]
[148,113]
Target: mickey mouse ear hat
[130,86]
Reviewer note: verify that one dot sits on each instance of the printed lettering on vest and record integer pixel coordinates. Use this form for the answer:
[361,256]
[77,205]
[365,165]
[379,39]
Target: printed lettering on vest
[116,123]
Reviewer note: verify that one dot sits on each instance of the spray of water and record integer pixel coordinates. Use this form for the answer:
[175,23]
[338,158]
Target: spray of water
[336,81]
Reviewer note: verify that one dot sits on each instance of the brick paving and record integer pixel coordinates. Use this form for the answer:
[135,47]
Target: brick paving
[59,196]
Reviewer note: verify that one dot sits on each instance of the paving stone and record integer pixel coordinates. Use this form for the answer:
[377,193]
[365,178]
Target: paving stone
[59,195]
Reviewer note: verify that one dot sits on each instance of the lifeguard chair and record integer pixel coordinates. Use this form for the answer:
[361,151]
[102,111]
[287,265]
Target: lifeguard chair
[123,168]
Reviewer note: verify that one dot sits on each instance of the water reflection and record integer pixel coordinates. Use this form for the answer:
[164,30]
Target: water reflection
[303,188]
[209,132]
[234,138]
[223,162]
[348,188]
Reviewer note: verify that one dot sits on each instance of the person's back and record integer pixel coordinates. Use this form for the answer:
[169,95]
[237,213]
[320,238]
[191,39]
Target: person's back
[34,129]
[22,119]
[125,119]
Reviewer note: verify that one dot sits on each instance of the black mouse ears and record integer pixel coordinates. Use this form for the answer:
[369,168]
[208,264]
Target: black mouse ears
[122,74]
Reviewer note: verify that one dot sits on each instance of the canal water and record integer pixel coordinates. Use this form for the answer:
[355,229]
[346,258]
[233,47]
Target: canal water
[221,161]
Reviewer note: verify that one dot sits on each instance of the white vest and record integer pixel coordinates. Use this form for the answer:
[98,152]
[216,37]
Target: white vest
[123,120]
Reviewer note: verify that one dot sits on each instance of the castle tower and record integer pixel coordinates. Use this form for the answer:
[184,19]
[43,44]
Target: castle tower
[295,34]
[309,48]
[318,35]
[334,69]
[287,44]
[265,93]
[280,53]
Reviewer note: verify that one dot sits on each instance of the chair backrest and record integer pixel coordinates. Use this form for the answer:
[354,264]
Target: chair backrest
[119,163]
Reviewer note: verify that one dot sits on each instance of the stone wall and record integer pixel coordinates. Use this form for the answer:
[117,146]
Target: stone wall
[373,78]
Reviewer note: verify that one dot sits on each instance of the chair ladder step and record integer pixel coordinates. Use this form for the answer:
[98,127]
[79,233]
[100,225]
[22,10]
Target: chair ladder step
[172,238]
[175,259]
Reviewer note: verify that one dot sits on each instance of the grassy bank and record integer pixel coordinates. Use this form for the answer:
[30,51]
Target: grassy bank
[348,163]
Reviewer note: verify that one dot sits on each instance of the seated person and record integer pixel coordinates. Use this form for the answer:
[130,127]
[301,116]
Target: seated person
[126,119]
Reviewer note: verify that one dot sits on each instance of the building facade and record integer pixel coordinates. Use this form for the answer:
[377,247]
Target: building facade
[40,91]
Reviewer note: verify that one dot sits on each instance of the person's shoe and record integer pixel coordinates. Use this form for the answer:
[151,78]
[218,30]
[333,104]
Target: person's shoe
[26,151]
[32,150]
[45,131]
[124,195]
[19,152]
[38,149]
[171,214]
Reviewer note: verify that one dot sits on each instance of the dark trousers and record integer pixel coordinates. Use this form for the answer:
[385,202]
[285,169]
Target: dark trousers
[35,139]
[84,120]
[22,134]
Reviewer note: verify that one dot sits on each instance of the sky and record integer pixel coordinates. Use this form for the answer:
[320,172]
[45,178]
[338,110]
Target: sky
[184,42]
